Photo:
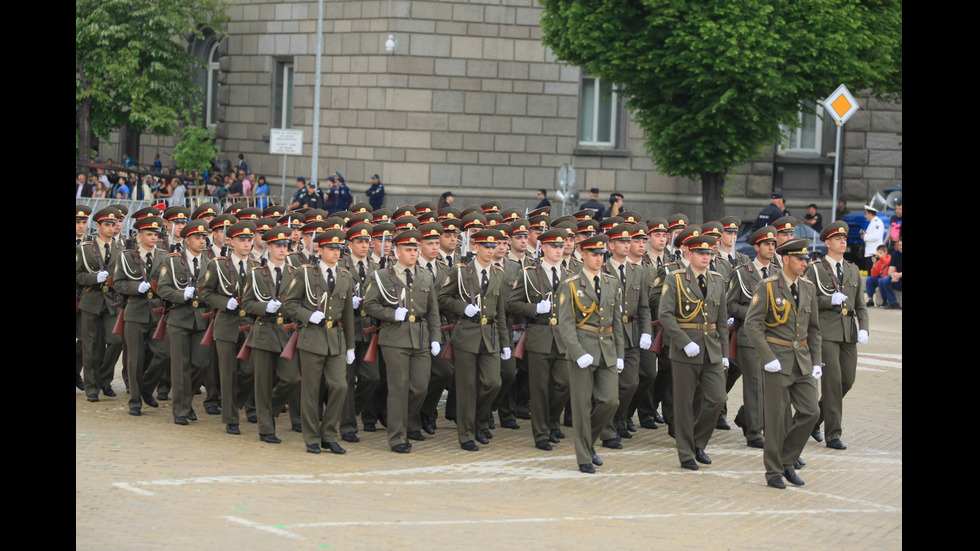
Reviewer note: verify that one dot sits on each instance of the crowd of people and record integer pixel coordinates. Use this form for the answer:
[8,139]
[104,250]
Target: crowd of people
[375,313]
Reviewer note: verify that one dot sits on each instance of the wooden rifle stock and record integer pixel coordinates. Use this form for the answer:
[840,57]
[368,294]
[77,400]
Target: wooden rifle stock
[521,345]
[733,342]
[208,339]
[120,325]
[161,326]
[245,352]
[447,352]
[658,342]
[290,350]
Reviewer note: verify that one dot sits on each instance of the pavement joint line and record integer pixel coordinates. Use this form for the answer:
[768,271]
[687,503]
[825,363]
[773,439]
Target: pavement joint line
[879,506]
[264,527]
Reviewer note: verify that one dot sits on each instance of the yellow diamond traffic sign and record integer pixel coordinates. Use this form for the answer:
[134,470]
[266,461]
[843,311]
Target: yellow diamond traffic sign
[841,104]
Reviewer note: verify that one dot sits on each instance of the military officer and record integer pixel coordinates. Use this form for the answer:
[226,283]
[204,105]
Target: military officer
[843,325]
[783,325]
[82,213]
[534,297]
[321,298]
[95,262]
[726,245]
[741,288]
[635,314]
[275,377]
[136,271]
[403,298]
[222,290]
[591,329]
[475,293]
[178,282]
[441,372]
[695,319]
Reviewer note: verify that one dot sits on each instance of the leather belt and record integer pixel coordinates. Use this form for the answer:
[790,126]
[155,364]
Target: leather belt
[598,330]
[698,326]
[783,342]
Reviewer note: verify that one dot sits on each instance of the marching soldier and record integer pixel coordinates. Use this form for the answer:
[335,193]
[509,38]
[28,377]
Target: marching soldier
[695,318]
[95,261]
[475,293]
[275,376]
[178,283]
[740,291]
[82,213]
[365,373]
[222,290]
[136,271]
[403,298]
[591,328]
[441,372]
[783,325]
[843,325]
[321,298]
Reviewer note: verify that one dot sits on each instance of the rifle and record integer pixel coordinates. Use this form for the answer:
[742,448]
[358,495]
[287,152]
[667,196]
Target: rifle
[371,355]
[120,325]
[447,352]
[208,339]
[246,350]
[290,350]
[521,345]
[733,340]
[658,342]
[162,324]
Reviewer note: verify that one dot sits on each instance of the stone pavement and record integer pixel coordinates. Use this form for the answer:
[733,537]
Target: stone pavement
[143,482]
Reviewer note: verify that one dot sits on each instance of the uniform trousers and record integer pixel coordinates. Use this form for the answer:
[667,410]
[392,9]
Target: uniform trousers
[548,383]
[271,394]
[751,414]
[319,373]
[629,379]
[147,359]
[693,427]
[477,384]
[237,378]
[594,394]
[785,435]
[187,356]
[100,350]
[840,369]
[408,382]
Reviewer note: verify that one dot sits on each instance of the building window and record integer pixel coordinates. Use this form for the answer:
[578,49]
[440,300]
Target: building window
[808,136]
[283,94]
[212,88]
[598,113]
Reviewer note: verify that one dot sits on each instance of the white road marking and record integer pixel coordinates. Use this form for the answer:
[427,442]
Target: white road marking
[264,527]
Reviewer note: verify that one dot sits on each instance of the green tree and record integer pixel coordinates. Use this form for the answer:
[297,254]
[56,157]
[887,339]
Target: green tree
[710,81]
[132,65]
[196,148]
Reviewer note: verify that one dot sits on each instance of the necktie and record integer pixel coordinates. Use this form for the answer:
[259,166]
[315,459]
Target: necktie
[149,262]
[197,269]
[660,262]
[431,269]
[765,272]
[554,279]
[840,274]
[484,282]
[331,282]
[711,265]
[564,264]
[497,264]
[796,296]
[241,269]
[598,288]
[408,278]
[360,270]
[622,274]
[731,260]
[106,253]
[703,286]
[78,242]
[279,279]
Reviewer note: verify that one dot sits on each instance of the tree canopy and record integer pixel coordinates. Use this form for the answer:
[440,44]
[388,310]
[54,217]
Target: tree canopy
[710,81]
[132,65]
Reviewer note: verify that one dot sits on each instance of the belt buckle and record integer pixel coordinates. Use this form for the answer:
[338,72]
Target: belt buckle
[278,320]
[483,320]
[241,313]
[363,313]
[796,344]
[626,319]
[843,311]
[329,324]
[553,321]
[105,288]
[149,294]
[195,304]
[411,318]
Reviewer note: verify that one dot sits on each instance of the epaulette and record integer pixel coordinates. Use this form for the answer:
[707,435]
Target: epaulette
[610,276]
[772,278]
[220,258]
[804,278]
[460,265]
[341,269]
[531,267]
[175,254]
[715,273]
[499,267]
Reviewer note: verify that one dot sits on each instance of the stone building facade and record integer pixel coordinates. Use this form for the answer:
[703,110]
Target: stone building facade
[470,101]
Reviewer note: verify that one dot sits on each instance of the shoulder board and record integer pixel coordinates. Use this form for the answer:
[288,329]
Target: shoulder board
[342,270]
[256,268]
[805,280]
[531,267]
[498,267]
[460,265]
[221,258]
[772,278]
[609,276]
[175,254]
[746,267]
[712,272]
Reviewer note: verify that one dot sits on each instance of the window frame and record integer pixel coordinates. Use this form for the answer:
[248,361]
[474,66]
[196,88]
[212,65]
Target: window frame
[793,137]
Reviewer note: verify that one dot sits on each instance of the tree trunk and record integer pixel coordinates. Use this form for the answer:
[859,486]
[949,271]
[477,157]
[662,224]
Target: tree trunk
[84,115]
[712,200]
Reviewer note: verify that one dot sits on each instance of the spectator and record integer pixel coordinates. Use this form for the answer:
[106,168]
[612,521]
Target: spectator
[894,228]
[178,193]
[262,193]
[242,165]
[873,236]
[841,209]
[83,188]
[157,165]
[445,200]
[122,190]
[542,199]
[594,204]
[128,161]
[100,191]
[893,282]
[344,197]
[246,185]
[234,186]
[615,205]
[813,218]
[775,209]
[878,271]
[376,193]
[298,196]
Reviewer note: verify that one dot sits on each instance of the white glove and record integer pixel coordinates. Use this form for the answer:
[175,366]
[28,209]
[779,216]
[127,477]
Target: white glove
[817,372]
[232,304]
[862,337]
[838,298]
[646,341]
[144,287]
[620,365]
[316,317]
[724,362]
[517,335]
[188,292]
[273,305]
[731,321]
[400,313]
[471,310]
[357,302]
[350,356]
[773,366]
[102,276]
[505,353]
[692,349]
[543,307]
[436,348]
[585,360]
